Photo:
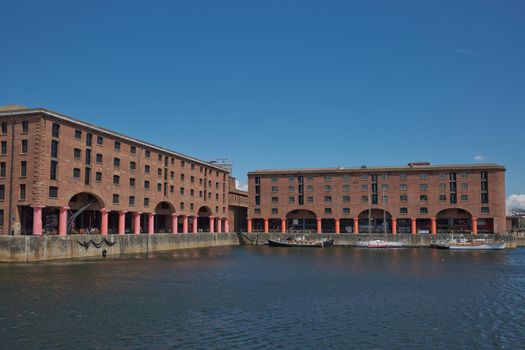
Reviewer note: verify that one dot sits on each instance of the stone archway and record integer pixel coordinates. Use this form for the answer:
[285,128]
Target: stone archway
[301,220]
[375,220]
[163,217]
[454,220]
[84,214]
[203,222]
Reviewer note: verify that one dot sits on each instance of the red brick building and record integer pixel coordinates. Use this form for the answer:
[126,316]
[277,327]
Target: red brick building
[62,175]
[417,198]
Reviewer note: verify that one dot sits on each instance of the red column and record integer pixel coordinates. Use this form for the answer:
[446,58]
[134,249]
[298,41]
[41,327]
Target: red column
[337,226]
[283,225]
[136,222]
[37,219]
[184,223]
[219,225]
[433,226]
[195,224]
[62,221]
[356,225]
[319,226]
[474,226]
[226,225]
[266,225]
[174,223]
[212,222]
[249,228]
[394,226]
[151,223]
[104,221]
[414,228]
[121,222]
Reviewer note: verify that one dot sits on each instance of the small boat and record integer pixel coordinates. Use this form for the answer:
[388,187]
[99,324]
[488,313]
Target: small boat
[301,242]
[440,244]
[476,244]
[379,243]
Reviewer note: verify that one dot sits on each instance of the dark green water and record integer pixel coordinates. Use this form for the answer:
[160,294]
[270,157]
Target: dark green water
[266,298]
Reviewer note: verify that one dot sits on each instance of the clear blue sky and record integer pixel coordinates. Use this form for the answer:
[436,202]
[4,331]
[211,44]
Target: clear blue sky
[276,84]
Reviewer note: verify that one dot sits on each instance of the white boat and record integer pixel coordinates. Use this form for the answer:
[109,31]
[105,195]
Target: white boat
[379,243]
[463,243]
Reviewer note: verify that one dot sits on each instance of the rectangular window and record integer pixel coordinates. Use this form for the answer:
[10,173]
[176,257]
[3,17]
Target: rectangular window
[327,188]
[147,153]
[346,210]
[442,186]
[22,192]
[100,140]
[346,188]
[4,148]
[117,145]
[464,197]
[89,139]
[25,126]
[423,198]
[146,184]
[116,179]
[98,158]
[291,188]
[364,198]
[131,200]
[76,173]
[23,168]
[2,169]
[463,175]
[364,187]
[328,178]
[4,128]
[116,162]
[291,199]
[423,187]
[77,152]
[146,169]
[146,202]
[403,187]
[403,176]
[346,199]
[328,210]
[453,198]
[98,176]
[274,178]
[484,198]
[78,134]
[384,199]
[485,210]
[159,188]
[181,205]
[131,182]
[2,192]
[275,199]
[423,175]
[384,187]
[181,190]
[464,186]
[53,170]
[24,146]
[328,199]
[484,175]
[87,175]
[442,197]
[423,210]
[403,198]
[346,177]
[54,149]
[116,199]
[159,172]
[275,211]
[53,192]
[309,199]
[403,210]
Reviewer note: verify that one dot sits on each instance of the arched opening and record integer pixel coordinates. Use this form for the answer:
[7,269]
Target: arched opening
[454,220]
[347,225]
[404,225]
[203,223]
[258,225]
[274,225]
[162,221]
[423,225]
[375,220]
[301,220]
[84,214]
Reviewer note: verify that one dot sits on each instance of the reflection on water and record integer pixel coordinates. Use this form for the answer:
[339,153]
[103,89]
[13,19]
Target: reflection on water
[261,297]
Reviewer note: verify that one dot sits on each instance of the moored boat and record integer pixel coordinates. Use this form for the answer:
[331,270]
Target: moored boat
[463,243]
[301,242]
[379,243]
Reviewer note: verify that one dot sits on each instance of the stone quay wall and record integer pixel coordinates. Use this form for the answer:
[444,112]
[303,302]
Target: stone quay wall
[34,248]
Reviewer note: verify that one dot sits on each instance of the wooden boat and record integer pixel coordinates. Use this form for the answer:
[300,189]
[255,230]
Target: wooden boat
[463,243]
[301,242]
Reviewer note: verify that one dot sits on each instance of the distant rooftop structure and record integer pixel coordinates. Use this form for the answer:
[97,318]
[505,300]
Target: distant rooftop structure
[223,163]
[12,107]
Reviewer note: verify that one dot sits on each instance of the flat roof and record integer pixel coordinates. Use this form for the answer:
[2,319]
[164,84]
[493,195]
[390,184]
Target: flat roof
[368,169]
[18,110]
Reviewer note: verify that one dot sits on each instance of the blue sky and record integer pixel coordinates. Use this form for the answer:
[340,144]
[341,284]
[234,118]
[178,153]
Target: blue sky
[276,84]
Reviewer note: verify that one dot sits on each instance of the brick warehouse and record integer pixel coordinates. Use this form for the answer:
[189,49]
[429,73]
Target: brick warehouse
[417,198]
[59,175]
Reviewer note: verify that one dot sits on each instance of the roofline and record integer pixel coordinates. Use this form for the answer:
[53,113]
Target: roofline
[108,132]
[489,166]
